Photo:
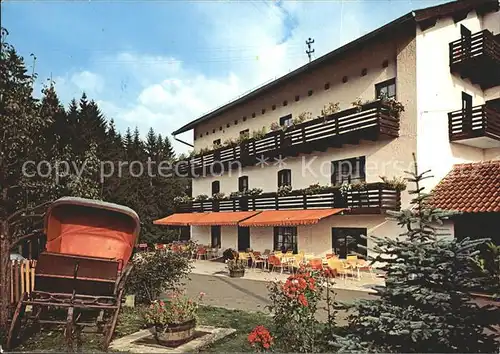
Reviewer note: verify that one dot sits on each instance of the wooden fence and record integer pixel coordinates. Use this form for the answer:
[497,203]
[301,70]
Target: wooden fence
[22,278]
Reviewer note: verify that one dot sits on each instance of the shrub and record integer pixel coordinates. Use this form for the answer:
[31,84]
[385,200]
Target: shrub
[284,190]
[329,109]
[236,265]
[177,309]
[218,196]
[156,272]
[259,134]
[396,183]
[275,127]
[201,197]
[260,339]
[294,304]
[229,254]
[182,200]
[253,192]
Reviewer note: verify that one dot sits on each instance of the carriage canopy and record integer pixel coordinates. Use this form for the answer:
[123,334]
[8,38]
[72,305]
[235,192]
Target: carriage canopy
[91,228]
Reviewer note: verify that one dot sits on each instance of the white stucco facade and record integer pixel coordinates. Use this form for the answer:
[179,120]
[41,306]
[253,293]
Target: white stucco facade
[439,92]
[419,61]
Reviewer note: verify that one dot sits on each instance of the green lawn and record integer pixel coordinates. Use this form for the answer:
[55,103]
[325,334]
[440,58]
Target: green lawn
[130,322]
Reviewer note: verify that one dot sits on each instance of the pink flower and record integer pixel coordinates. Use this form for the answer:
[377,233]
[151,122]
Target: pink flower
[202,294]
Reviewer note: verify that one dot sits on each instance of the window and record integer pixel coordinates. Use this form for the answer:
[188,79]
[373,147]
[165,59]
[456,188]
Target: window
[215,187]
[236,122]
[364,72]
[345,79]
[345,241]
[273,107]
[285,103]
[253,115]
[386,88]
[245,119]
[327,86]
[310,92]
[285,238]
[348,171]
[297,98]
[286,120]
[216,142]
[228,125]
[385,63]
[263,110]
[284,178]
[215,236]
[245,133]
[243,184]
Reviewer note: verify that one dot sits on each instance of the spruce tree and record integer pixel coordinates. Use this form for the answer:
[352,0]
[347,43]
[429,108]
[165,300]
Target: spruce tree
[425,306]
[152,145]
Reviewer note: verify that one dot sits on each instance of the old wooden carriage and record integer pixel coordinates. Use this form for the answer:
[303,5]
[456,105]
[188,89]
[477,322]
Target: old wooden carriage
[83,270]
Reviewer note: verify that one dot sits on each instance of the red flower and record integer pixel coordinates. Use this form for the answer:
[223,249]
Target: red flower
[260,338]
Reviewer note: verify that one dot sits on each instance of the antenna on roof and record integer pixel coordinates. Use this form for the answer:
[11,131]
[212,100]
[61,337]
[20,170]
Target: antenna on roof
[309,51]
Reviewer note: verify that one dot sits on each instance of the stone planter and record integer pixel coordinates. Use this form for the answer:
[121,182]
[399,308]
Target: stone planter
[237,273]
[174,334]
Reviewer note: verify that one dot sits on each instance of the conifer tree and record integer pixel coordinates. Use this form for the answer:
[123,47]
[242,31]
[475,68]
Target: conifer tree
[426,305]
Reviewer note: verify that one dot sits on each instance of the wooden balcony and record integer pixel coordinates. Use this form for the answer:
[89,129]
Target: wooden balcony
[477,58]
[374,121]
[479,127]
[376,198]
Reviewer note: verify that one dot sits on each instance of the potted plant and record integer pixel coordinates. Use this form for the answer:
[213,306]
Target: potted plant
[236,266]
[173,321]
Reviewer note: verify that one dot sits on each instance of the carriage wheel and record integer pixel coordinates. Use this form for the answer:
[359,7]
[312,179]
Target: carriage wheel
[15,325]
[110,327]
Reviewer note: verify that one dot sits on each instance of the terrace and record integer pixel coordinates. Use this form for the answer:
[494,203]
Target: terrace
[372,198]
[477,57]
[478,126]
[371,121]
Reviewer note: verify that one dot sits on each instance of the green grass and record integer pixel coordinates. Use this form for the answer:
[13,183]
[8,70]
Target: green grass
[242,321]
[130,321]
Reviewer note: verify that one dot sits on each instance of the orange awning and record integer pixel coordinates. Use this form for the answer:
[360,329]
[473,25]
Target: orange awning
[290,217]
[224,218]
[180,219]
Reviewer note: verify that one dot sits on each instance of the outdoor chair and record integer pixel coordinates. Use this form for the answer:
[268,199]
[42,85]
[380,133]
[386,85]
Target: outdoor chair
[316,264]
[364,266]
[202,252]
[266,252]
[256,261]
[244,257]
[338,267]
[275,262]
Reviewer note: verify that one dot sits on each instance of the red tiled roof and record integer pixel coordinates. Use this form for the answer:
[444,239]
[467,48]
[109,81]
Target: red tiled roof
[469,188]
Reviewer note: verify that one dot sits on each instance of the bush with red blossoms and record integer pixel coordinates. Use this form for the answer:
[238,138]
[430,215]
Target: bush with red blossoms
[294,306]
[260,339]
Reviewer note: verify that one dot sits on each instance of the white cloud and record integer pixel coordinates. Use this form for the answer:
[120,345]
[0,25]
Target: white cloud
[163,92]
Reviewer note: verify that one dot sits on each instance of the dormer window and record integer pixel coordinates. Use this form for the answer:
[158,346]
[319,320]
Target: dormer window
[284,178]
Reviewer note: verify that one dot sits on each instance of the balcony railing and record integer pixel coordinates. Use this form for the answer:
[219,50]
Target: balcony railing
[478,127]
[477,58]
[373,121]
[375,198]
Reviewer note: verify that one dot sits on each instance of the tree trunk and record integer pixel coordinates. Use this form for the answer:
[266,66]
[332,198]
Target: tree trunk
[4,274]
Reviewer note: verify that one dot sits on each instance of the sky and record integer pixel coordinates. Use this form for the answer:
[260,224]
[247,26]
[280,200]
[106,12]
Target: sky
[163,63]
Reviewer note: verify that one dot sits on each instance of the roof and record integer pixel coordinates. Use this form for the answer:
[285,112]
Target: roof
[426,17]
[469,188]
[180,219]
[290,217]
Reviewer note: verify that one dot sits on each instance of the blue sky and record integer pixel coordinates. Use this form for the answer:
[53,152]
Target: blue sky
[161,64]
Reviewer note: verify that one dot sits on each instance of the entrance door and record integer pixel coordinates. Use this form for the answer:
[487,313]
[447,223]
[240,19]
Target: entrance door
[215,239]
[243,238]
[466,112]
[345,241]
[465,36]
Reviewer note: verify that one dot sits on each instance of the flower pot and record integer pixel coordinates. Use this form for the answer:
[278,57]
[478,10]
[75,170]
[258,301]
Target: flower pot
[237,273]
[176,334]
